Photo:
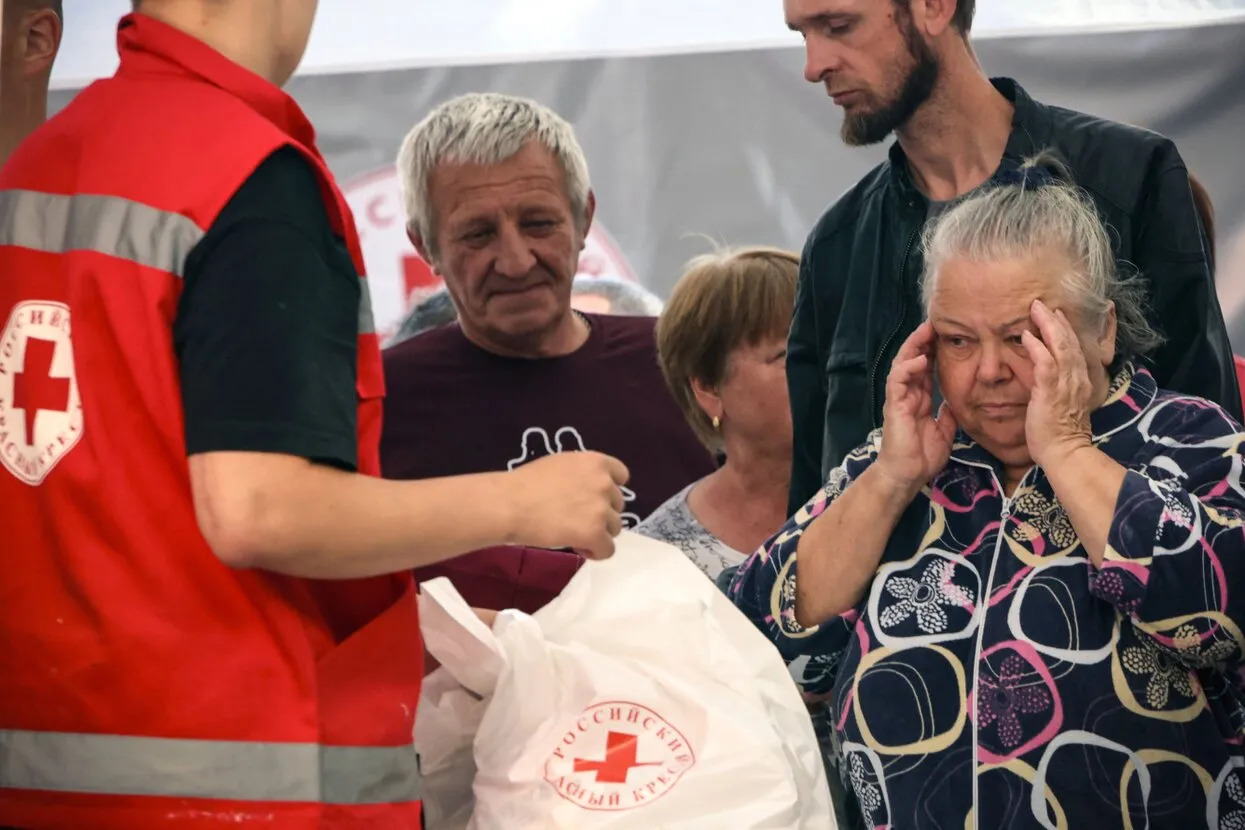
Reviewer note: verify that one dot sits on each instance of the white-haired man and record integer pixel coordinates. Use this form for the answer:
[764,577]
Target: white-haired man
[498,200]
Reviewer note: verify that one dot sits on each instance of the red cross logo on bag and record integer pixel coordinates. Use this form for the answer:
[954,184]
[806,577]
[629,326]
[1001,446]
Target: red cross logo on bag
[40,409]
[618,756]
[620,759]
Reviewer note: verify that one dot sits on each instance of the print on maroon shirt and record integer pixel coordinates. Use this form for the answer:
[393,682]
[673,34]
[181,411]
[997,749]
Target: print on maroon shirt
[452,408]
[537,444]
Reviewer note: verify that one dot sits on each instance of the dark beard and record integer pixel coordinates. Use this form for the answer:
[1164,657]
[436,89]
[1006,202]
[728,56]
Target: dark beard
[866,128]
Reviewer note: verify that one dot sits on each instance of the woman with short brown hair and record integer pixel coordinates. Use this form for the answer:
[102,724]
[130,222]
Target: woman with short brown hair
[722,343]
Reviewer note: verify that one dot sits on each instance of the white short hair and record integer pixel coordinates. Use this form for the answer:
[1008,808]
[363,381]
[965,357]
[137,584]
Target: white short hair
[484,128]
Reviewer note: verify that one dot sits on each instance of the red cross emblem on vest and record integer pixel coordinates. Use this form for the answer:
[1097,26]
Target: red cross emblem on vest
[35,389]
[40,408]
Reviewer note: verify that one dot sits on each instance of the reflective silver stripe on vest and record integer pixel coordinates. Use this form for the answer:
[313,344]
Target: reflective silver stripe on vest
[107,225]
[115,227]
[367,323]
[227,770]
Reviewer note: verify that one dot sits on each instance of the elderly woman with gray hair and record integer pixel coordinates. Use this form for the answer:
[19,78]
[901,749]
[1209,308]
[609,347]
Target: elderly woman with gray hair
[1028,603]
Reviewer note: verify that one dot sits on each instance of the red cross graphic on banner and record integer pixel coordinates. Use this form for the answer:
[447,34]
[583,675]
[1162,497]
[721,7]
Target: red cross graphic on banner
[417,274]
[34,388]
[620,754]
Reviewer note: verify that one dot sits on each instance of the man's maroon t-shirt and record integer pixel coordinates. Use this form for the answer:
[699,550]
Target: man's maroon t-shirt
[452,408]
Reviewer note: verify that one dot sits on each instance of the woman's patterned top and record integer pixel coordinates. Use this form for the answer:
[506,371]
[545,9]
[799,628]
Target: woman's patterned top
[674,523]
[992,676]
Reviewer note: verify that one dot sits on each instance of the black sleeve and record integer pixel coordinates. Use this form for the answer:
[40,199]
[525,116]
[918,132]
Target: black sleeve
[1169,250]
[266,328]
[806,386]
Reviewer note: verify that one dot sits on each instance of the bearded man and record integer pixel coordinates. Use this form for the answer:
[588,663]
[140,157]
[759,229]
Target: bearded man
[907,67]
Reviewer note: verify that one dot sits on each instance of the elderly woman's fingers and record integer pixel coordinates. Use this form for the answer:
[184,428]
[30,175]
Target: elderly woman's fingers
[1057,333]
[926,387]
[918,343]
[947,424]
[925,405]
[1045,370]
[906,374]
[903,384]
[1071,344]
[908,370]
[1047,325]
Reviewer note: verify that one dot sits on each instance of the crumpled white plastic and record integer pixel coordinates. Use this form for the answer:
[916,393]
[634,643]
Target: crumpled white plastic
[639,698]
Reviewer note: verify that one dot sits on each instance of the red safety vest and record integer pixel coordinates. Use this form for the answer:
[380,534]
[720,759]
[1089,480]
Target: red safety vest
[144,684]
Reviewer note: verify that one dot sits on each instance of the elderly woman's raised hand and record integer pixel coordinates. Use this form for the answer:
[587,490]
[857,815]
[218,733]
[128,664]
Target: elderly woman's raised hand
[1060,402]
[915,444]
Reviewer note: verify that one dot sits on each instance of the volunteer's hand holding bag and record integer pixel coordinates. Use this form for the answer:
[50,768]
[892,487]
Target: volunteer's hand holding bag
[639,698]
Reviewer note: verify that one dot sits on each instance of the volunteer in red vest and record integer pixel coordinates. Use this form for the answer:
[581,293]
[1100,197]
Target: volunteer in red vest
[206,613]
[30,36]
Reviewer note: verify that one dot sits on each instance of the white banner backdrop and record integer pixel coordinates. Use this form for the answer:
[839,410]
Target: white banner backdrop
[736,147]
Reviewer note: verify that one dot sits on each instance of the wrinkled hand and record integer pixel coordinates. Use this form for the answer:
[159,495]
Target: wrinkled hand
[1060,402]
[915,444]
[570,500]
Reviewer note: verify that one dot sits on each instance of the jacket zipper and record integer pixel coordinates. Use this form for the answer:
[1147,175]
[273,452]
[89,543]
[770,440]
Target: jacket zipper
[890,338]
[981,634]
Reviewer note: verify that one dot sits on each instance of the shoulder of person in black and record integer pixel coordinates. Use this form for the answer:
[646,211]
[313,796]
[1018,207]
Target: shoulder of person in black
[267,325]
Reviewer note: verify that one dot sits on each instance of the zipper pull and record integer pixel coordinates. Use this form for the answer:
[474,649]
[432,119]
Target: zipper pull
[1007,509]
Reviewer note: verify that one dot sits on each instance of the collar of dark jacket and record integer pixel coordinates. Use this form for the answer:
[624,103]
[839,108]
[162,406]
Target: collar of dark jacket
[1031,129]
[1132,391]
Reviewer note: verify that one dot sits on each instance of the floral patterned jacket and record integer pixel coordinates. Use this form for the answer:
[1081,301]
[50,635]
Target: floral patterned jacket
[993,677]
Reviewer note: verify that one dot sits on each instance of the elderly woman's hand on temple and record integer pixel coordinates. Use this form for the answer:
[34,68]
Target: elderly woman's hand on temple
[1061,398]
[915,444]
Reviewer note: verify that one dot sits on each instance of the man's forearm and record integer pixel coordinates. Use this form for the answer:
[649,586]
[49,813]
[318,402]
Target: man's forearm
[307,520]
[839,553]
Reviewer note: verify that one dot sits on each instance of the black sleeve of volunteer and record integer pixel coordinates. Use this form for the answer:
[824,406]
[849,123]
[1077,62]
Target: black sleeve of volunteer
[266,327]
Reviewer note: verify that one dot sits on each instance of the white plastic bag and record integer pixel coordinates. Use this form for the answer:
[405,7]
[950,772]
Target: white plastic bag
[639,698]
[447,720]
